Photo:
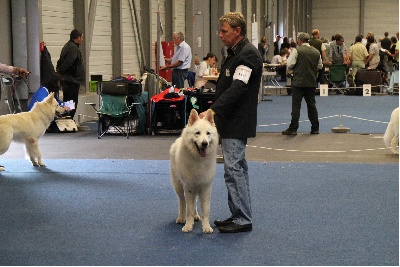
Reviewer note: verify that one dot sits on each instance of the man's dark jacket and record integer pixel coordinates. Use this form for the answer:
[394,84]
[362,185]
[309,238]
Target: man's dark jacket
[70,65]
[236,102]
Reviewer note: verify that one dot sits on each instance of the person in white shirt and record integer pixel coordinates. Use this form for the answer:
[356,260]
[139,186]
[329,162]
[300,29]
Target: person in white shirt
[208,61]
[281,60]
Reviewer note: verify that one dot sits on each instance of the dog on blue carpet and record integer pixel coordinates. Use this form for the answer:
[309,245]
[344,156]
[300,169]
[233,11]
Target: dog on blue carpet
[193,164]
[28,127]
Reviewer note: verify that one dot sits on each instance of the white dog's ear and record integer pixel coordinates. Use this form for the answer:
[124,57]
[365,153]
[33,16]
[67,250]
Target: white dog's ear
[209,116]
[50,97]
[193,117]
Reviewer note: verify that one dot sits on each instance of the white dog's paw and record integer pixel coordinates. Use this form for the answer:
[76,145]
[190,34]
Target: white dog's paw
[180,221]
[207,229]
[41,164]
[187,228]
[2,168]
[197,217]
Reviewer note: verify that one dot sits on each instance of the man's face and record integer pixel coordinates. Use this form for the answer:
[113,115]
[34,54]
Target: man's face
[340,41]
[176,39]
[229,36]
[79,40]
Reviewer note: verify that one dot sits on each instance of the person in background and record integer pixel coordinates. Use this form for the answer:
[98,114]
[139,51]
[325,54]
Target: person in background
[196,62]
[394,53]
[281,60]
[71,68]
[305,62]
[52,85]
[263,48]
[235,115]
[317,44]
[339,53]
[276,45]
[373,50]
[23,73]
[208,61]
[285,43]
[180,62]
[391,53]
[357,55]
[293,45]
[385,44]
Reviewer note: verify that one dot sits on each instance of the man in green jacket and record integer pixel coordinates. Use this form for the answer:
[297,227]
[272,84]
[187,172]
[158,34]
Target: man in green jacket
[305,61]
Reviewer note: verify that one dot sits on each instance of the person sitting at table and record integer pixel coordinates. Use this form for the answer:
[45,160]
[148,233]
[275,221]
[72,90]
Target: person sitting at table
[281,60]
[203,69]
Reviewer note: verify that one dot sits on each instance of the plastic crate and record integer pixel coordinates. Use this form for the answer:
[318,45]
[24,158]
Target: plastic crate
[168,116]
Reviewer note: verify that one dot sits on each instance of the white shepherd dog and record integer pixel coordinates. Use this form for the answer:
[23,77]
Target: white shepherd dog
[193,163]
[28,127]
[391,137]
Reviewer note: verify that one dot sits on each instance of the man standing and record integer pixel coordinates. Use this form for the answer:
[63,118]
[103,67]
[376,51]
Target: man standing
[180,62]
[357,55]
[339,53]
[70,66]
[276,45]
[305,61]
[317,44]
[235,115]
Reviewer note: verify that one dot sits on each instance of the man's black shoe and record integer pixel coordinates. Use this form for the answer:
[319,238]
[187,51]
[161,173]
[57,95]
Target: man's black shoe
[289,132]
[223,223]
[235,228]
[314,132]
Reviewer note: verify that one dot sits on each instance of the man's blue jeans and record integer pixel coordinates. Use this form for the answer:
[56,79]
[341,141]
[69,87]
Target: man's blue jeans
[178,77]
[237,179]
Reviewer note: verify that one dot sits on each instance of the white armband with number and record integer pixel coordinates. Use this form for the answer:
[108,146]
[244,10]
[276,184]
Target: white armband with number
[242,73]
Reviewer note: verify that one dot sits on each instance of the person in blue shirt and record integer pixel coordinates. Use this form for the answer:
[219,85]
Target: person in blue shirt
[51,85]
[180,62]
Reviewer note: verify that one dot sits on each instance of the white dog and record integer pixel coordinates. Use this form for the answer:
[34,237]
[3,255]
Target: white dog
[391,137]
[28,127]
[193,163]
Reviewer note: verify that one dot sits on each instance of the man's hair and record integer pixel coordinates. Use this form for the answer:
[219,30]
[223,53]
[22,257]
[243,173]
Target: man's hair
[338,37]
[234,19]
[180,35]
[264,40]
[315,32]
[75,34]
[358,38]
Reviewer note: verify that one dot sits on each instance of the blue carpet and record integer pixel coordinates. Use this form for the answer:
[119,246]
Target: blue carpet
[122,212]
[360,114]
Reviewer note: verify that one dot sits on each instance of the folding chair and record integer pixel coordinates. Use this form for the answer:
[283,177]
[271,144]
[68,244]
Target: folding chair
[115,110]
[337,77]
[269,75]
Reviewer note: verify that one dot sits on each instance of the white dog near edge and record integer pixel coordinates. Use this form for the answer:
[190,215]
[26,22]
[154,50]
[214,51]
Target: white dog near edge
[28,127]
[193,164]
[391,137]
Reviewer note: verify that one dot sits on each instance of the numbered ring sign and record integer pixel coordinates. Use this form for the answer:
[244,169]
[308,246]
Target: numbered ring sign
[323,90]
[366,90]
